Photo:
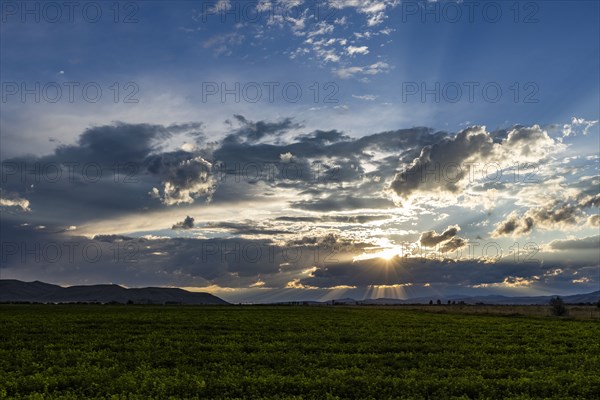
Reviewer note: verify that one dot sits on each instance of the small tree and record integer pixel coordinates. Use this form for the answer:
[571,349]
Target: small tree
[430,302]
[557,306]
[439,302]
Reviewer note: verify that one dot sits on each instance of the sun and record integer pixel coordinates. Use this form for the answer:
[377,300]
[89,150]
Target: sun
[387,254]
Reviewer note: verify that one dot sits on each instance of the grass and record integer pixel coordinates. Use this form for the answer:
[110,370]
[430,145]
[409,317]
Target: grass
[140,352]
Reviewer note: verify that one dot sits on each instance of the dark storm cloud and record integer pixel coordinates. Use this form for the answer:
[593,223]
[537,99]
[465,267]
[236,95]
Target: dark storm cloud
[329,240]
[309,165]
[320,158]
[586,243]
[254,131]
[315,165]
[194,129]
[312,261]
[110,144]
[342,203]
[553,216]
[298,219]
[564,213]
[246,228]
[432,238]
[323,137]
[55,255]
[416,271]
[501,134]
[402,141]
[28,253]
[453,244]
[184,177]
[484,187]
[350,219]
[445,165]
[359,219]
[449,151]
[444,273]
[513,225]
[330,248]
[187,223]
[112,238]
[107,172]
[322,171]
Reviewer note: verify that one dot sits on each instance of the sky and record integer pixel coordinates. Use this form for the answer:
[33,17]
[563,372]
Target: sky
[291,150]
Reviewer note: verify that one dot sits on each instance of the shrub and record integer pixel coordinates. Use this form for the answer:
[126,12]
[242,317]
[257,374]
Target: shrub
[557,306]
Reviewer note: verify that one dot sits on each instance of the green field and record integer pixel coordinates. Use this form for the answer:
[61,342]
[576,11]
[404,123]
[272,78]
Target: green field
[140,352]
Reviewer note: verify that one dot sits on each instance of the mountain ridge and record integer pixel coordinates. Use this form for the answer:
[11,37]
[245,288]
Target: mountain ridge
[491,299]
[12,290]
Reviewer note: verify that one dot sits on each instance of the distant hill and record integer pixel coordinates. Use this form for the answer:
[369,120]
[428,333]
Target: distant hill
[490,299]
[14,290]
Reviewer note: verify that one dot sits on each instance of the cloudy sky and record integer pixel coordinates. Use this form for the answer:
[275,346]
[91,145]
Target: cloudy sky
[287,150]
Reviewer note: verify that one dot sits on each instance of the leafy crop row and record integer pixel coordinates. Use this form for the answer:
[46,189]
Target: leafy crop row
[291,352]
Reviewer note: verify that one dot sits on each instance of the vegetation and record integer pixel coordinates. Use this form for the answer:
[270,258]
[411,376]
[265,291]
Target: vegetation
[558,306]
[140,352]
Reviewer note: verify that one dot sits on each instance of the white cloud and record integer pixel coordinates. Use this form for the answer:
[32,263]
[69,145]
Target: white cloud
[286,157]
[296,284]
[221,6]
[373,69]
[581,280]
[322,28]
[467,156]
[185,181]
[578,125]
[365,97]
[375,10]
[357,50]
[511,282]
[223,44]
[15,202]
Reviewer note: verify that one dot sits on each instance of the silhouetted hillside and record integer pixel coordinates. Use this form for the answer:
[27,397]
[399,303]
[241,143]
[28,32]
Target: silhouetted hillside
[493,299]
[14,290]
[489,299]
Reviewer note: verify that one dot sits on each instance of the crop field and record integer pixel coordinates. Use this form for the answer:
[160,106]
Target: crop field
[235,352]
[574,311]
